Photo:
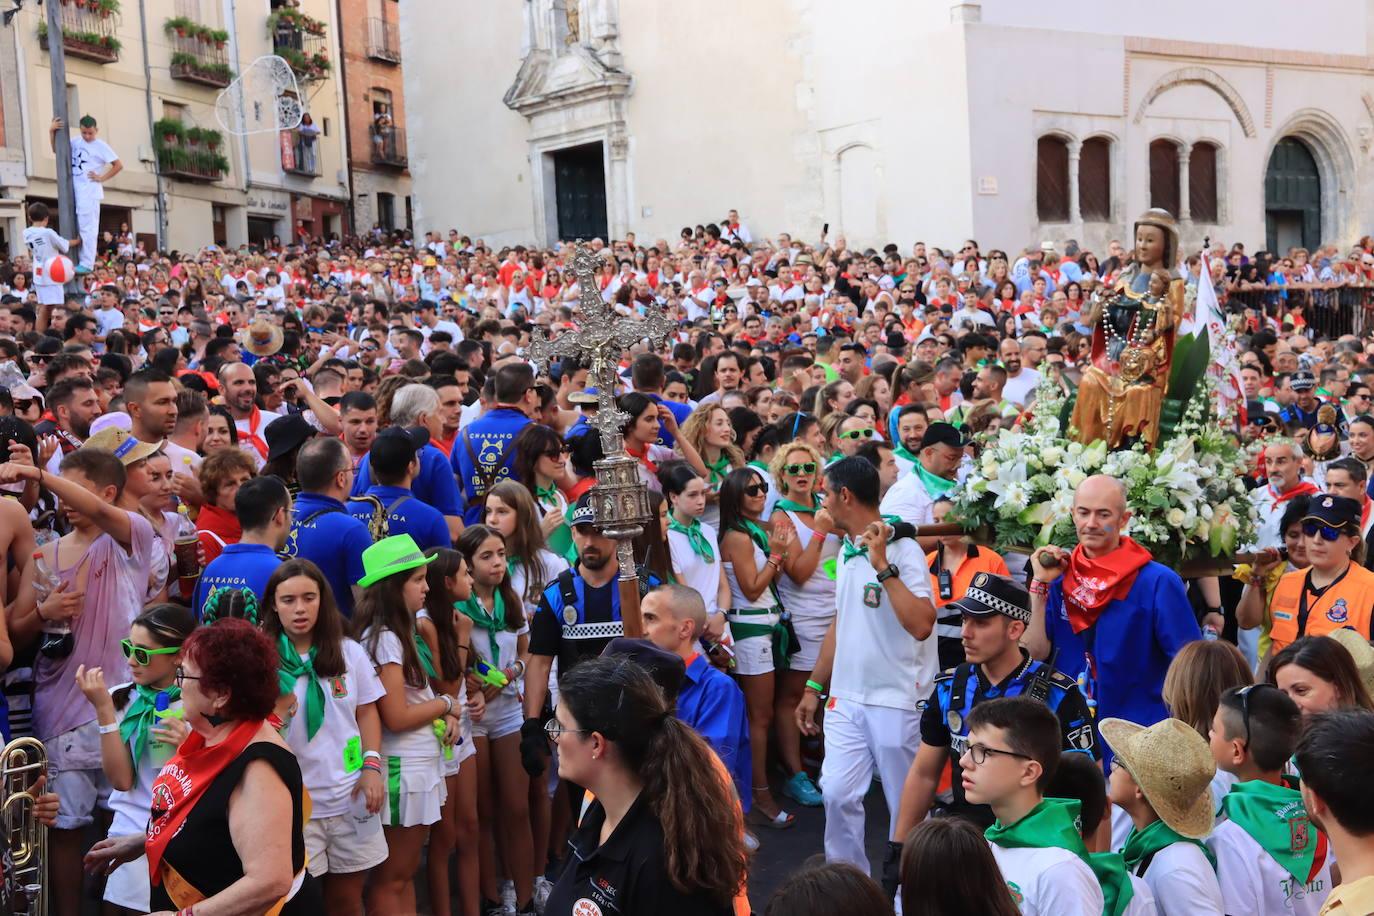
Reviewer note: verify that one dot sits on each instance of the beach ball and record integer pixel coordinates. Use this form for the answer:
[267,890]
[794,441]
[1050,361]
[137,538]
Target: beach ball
[59,269]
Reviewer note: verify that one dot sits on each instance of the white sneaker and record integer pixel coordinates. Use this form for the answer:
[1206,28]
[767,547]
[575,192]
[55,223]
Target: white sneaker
[542,888]
[508,896]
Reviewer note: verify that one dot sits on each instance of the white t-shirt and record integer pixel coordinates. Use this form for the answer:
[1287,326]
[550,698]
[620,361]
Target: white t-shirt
[507,646]
[131,808]
[553,565]
[909,500]
[43,244]
[1019,388]
[877,661]
[1049,881]
[1254,884]
[1142,902]
[697,573]
[86,158]
[179,456]
[418,743]
[109,320]
[1183,882]
[322,757]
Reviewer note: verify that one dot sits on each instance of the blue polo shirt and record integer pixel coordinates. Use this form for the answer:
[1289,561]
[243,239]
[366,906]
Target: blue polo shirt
[680,413]
[1132,643]
[713,704]
[490,439]
[418,519]
[247,566]
[434,484]
[333,540]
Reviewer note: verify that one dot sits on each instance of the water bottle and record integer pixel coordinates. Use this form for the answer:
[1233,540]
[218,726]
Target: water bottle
[56,641]
[159,752]
[185,548]
[1210,633]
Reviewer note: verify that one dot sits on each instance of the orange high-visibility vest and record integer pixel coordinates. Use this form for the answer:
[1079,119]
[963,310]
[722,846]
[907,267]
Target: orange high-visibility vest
[1347,603]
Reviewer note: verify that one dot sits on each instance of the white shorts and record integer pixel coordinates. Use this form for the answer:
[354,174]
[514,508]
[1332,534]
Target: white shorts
[810,634]
[415,791]
[50,294]
[333,846]
[503,717]
[78,779]
[753,654]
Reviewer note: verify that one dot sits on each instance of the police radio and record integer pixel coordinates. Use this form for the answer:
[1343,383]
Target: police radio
[946,582]
[1039,686]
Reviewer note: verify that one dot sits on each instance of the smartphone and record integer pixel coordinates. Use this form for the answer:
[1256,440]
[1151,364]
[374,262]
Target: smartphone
[825,230]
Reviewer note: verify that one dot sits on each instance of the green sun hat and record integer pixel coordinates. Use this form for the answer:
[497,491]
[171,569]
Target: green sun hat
[390,556]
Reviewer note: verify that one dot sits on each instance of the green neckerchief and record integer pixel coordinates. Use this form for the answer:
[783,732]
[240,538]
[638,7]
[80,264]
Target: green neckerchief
[493,623]
[901,452]
[1275,818]
[835,457]
[849,551]
[426,656]
[1141,844]
[141,716]
[790,506]
[695,536]
[718,471]
[935,485]
[547,494]
[1052,824]
[291,668]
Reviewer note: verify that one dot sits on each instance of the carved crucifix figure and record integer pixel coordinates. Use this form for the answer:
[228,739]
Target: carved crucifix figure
[621,499]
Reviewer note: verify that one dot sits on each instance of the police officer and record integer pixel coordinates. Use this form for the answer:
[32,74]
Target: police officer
[578,614]
[1303,411]
[995,612]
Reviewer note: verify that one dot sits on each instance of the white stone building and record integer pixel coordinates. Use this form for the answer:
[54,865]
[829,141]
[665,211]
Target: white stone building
[892,120]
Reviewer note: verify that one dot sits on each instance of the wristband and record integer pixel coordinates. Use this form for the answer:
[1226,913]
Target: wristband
[109,729]
[448,703]
[1037,587]
[816,687]
[372,755]
[373,765]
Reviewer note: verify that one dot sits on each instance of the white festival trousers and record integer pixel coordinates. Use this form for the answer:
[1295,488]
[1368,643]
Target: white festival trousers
[88,225]
[859,739]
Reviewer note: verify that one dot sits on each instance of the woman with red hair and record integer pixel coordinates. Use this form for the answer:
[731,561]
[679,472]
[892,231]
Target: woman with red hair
[228,811]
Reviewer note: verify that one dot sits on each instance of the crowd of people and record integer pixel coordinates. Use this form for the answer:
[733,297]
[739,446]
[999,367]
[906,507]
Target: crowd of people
[308,597]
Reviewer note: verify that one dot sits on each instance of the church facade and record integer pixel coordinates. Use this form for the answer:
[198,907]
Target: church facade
[891,120]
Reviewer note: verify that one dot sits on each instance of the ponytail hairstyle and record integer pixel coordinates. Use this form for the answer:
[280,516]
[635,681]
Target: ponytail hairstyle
[382,607]
[527,541]
[703,833]
[440,606]
[328,634]
[469,542]
[673,477]
[170,624]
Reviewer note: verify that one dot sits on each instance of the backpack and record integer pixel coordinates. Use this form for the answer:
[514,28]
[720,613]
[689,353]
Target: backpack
[378,526]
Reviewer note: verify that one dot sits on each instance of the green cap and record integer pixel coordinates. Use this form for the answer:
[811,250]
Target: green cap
[390,556]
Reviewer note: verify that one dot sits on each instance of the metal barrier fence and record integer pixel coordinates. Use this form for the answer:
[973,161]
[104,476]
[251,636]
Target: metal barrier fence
[1329,311]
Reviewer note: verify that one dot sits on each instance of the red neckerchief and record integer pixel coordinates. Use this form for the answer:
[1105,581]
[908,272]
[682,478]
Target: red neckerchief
[254,421]
[1301,488]
[642,457]
[1091,583]
[183,781]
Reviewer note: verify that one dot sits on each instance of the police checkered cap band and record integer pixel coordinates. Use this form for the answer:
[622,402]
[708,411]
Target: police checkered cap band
[1001,606]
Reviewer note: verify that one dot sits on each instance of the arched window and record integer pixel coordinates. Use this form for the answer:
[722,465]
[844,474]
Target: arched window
[1052,180]
[1164,185]
[1202,183]
[1095,179]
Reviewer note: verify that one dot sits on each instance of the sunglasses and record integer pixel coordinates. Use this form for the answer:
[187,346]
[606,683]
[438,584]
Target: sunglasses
[755,489]
[865,433]
[1327,533]
[557,452]
[806,467]
[141,656]
[1244,695]
[796,422]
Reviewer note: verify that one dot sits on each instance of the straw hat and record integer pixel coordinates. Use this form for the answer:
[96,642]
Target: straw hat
[1173,766]
[390,556]
[261,338]
[1360,650]
[122,444]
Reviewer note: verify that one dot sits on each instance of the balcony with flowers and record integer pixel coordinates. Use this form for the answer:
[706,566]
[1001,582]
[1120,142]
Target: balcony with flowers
[88,30]
[198,52]
[188,153]
[299,40]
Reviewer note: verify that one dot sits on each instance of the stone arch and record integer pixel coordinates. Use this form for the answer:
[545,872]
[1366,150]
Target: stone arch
[1203,76]
[1335,164]
[860,175]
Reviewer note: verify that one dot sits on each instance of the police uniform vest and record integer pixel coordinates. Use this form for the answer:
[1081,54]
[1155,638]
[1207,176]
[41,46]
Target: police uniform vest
[961,688]
[583,634]
[1299,610]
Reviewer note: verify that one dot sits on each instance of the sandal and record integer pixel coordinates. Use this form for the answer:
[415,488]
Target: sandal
[781,821]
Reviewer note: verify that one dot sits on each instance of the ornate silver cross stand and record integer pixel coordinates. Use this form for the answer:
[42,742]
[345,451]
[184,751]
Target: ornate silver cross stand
[620,497]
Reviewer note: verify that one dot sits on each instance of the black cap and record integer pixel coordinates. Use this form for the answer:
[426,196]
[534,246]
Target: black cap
[896,340]
[286,433]
[1256,414]
[666,668]
[943,434]
[990,594]
[1303,381]
[1336,511]
[395,448]
[584,513]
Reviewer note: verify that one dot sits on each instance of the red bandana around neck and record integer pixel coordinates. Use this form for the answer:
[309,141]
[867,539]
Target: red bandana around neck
[183,781]
[642,457]
[254,421]
[1091,583]
[1301,488]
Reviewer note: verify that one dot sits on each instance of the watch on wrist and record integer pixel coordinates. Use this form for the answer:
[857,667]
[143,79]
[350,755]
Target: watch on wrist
[887,573]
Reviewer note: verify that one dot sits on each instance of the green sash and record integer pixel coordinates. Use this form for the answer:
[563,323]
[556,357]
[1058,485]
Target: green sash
[290,668]
[1275,818]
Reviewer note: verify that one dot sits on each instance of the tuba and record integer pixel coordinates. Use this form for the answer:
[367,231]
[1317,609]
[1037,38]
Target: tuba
[22,762]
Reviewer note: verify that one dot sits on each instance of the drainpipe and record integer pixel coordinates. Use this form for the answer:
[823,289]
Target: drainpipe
[160,200]
[352,228]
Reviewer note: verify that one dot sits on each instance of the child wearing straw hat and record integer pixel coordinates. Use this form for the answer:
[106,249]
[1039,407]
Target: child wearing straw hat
[1161,777]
